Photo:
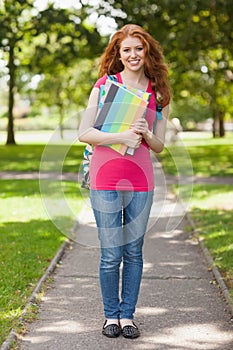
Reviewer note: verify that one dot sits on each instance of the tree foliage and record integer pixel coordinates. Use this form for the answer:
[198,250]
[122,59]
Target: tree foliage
[57,47]
[197,41]
[15,25]
[42,43]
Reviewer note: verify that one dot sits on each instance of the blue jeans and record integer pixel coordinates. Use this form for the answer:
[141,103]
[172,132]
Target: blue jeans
[121,218]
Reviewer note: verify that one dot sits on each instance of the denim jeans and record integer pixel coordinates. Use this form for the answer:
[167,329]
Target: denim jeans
[121,218]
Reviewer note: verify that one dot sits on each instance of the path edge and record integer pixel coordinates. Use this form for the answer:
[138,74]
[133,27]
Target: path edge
[13,336]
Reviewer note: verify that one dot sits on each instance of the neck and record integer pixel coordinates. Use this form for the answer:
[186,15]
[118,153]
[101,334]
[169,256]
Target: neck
[135,79]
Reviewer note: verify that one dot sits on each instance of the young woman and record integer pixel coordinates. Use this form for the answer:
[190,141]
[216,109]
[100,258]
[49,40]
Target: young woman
[121,187]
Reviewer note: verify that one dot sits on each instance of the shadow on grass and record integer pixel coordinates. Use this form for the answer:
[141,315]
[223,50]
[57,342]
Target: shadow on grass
[22,188]
[209,160]
[28,157]
[215,159]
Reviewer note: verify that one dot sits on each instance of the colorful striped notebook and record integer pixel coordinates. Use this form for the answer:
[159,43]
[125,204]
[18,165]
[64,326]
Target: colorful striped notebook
[120,106]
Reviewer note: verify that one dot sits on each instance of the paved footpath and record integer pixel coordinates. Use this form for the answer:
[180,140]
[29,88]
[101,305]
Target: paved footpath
[179,308]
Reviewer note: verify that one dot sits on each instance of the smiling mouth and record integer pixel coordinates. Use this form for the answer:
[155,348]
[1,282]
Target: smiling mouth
[134,61]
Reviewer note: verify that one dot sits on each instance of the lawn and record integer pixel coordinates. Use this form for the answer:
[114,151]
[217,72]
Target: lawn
[28,157]
[204,156]
[29,241]
[29,238]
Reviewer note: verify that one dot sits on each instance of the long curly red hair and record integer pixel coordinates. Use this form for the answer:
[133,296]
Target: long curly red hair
[155,67]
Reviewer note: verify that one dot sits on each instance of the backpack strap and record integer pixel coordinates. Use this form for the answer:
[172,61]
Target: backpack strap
[159,112]
[158,116]
[112,77]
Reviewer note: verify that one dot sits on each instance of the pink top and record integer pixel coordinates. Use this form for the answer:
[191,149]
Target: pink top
[109,170]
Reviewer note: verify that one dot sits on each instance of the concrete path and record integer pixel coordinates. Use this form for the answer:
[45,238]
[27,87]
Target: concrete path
[180,306]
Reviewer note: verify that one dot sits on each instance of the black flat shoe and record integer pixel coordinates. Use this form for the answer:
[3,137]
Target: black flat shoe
[111,331]
[130,332]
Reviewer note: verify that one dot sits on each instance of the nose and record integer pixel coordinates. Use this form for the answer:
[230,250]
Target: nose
[133,53]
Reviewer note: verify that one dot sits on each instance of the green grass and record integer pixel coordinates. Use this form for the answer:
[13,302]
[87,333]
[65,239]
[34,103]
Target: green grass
[28,157]
[212,212]
[28,242]
[205,157]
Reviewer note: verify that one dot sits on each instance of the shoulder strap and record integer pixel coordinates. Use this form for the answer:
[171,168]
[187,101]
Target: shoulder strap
[159,115]
[159,112]
[113,77]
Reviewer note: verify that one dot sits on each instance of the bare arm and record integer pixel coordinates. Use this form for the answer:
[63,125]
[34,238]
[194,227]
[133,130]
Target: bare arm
[88,134]
[154,140]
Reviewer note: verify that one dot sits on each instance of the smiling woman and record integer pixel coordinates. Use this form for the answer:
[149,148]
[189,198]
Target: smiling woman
[121,185]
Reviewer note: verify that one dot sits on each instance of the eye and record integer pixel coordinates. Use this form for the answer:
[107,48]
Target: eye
[126,50]
[140,48]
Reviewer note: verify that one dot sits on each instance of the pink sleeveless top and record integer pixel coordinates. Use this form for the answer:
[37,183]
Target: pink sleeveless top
[109,170]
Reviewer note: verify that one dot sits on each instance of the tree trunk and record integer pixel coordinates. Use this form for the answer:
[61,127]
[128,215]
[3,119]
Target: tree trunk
[221,125]
[10,127]
[213,128]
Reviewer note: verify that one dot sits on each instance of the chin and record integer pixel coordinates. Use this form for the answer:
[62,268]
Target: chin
[135,68]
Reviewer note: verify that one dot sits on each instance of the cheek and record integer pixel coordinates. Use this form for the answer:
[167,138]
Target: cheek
[123,58]
[122,55]
[142,54]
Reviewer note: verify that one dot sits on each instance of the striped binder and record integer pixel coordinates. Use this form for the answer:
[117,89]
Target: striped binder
[120,106]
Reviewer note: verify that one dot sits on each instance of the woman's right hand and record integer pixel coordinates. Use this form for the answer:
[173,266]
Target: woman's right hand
[131,139]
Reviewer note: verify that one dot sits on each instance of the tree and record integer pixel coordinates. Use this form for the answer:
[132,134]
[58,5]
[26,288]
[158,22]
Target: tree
[197,41]
[70,87]
[62,46]
[37,42]
[14,24]
[206,43]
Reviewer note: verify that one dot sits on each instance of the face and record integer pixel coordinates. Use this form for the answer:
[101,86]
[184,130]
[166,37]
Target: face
[132,53]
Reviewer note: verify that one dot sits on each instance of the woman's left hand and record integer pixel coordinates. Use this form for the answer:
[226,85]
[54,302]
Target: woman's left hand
[140,126]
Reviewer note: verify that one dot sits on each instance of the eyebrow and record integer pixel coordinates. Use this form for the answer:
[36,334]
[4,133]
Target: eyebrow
[128,47]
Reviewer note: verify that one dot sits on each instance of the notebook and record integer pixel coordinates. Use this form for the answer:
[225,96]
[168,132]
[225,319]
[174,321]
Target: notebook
[120,106]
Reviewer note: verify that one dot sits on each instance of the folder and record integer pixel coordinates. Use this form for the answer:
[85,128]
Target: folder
[120,106]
